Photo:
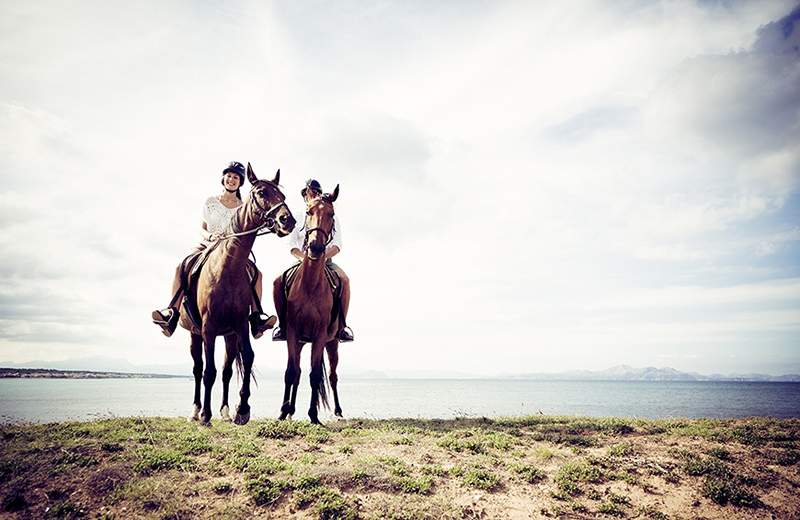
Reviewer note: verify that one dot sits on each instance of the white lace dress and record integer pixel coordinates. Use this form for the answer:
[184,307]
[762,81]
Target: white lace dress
[216,215]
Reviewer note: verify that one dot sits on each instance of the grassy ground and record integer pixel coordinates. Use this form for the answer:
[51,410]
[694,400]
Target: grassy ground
[526,467]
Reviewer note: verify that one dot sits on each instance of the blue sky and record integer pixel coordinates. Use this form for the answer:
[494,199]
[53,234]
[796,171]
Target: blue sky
[524,186]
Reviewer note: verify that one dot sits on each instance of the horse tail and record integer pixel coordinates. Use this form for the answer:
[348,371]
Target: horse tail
[240,364]
[324,386]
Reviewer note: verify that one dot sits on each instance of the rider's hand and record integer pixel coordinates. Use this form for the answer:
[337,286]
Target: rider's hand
[215,236]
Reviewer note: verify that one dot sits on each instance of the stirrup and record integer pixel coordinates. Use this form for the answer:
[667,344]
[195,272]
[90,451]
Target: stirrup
[168,322]
[259,323]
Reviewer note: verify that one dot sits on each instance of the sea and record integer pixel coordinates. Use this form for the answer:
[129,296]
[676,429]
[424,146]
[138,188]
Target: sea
[49,400]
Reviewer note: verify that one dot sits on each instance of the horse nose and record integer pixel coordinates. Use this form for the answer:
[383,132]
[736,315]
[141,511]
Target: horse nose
[317,249]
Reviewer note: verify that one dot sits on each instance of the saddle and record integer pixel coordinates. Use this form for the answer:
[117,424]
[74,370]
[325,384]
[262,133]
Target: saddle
[289,275]
[191,267]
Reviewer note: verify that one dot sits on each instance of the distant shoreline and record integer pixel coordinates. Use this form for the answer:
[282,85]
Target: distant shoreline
[50,373]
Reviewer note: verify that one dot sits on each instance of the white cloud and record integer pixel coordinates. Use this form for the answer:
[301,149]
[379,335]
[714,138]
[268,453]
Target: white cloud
[515,178]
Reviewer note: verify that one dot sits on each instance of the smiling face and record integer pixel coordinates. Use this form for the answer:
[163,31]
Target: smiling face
[231,181]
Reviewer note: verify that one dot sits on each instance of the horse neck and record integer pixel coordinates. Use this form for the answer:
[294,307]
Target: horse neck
[237,249]
[312,274]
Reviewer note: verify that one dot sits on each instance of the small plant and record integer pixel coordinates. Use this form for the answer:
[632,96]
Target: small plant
[652,513]
[346,449]
[402,441]
[328,503]
[720,453]
[264,491]
[618,499]
[543,453]
[723,491]
[156,459]
[481,479]
[222,488]
[610,508]
[419,485]
[622,450]
[272,429]
[573,473]
[529,473]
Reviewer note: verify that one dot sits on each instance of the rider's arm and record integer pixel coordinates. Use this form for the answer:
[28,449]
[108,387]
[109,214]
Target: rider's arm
[335,247]
[331,251]
[208,235]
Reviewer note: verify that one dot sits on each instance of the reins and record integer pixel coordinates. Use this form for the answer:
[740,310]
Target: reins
[267,226]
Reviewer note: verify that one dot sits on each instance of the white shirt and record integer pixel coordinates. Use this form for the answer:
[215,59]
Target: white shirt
[299,235]
[217,215]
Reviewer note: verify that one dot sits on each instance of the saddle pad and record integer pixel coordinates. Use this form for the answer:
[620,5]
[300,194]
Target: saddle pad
[290,274]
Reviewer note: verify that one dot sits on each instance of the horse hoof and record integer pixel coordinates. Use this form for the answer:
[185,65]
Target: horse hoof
[195,416]
[338,412]
[224,413]
[242,419]
[206,422]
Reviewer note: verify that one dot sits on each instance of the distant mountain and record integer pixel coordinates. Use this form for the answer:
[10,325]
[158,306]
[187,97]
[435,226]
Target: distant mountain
[628,373]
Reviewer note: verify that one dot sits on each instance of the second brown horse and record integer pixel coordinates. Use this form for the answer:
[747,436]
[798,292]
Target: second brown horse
[309,309]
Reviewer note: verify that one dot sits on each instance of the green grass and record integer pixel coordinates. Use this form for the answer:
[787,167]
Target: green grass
[481,479]
[574,473]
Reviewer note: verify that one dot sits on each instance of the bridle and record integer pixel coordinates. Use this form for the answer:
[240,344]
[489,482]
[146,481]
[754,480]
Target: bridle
[328,234]
[267,215]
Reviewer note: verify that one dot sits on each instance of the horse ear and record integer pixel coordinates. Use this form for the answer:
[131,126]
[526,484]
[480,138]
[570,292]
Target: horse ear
[251,176]
[277,179]
[335,194]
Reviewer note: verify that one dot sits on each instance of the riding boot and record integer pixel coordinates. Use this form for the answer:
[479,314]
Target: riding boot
[167,319]
[279,334]
[345,335]
[260,322]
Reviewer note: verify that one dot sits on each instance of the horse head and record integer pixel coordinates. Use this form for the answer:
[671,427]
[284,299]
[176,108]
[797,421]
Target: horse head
[320,224]
[268,204]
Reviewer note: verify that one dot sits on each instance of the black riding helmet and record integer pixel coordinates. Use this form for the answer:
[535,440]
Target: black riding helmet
[312,184]
[237,168]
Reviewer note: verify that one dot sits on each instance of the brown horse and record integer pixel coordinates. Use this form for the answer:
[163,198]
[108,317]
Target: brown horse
[309,319]
[224,294]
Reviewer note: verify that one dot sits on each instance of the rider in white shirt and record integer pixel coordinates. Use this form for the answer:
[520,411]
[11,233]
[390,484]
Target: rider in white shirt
[311,192]
[217,214]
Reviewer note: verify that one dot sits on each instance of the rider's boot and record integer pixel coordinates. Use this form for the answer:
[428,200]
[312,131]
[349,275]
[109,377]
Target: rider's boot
[167,319]
[260,322]
[279,334]
[345,335]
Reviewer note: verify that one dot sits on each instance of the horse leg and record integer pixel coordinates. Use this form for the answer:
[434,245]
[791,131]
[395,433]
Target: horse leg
[332,347]
[196,350]
[231,351]
[209,375]
[297,373]
[290,377]
[317,378]
[247,357]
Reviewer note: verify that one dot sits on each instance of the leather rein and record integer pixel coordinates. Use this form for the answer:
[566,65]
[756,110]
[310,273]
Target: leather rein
[268,221]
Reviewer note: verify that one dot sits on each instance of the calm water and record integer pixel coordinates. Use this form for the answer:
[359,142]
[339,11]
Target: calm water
[44,400]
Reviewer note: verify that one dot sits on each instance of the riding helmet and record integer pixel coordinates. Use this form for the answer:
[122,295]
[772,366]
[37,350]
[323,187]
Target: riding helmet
[237,168]
[312,184]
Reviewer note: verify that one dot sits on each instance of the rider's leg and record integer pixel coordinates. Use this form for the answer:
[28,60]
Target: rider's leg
[279,297]
[345,334]
[167,318]
[259,322]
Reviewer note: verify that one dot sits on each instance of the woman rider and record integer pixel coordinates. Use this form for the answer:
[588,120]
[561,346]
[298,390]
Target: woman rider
[217,214]
[311,192]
